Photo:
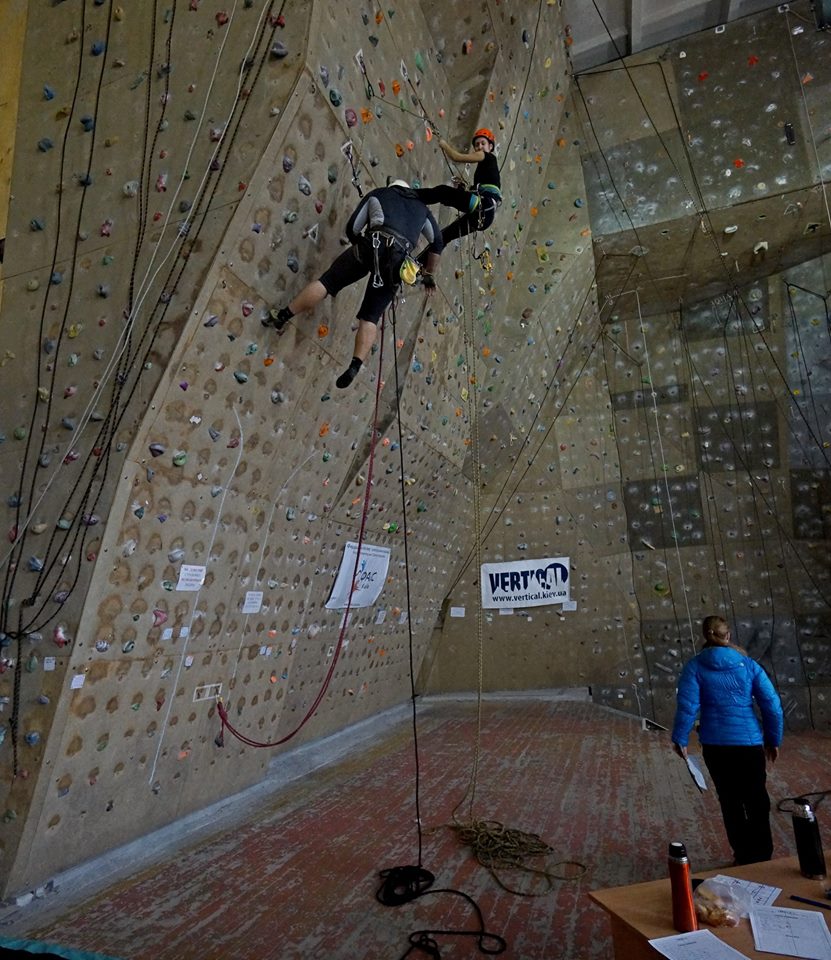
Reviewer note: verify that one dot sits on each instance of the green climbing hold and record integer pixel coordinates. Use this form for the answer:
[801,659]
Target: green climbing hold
[240,376]
[419,61]
[180,458]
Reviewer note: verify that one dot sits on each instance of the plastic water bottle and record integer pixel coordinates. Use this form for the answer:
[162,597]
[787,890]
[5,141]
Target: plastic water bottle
[808,841]
[683,909]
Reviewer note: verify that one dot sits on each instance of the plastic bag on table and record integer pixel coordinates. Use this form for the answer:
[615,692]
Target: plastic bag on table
[721,904]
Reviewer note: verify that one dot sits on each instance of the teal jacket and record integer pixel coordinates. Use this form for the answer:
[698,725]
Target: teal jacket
[720,685]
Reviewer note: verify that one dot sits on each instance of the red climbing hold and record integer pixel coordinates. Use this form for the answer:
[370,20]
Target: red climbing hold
[703,76]
[738,163]
[752,60]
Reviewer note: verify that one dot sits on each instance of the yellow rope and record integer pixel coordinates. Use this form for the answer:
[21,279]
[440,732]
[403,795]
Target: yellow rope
[503,850]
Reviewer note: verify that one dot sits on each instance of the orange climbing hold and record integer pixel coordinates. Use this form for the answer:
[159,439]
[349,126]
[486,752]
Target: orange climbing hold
[486,351]
[396,87]
[324,429]
[267,361]
[366,115]
[399,150]
[323,331]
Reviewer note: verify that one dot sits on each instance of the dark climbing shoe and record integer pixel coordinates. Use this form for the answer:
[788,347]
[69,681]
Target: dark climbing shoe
[347,376]
[276,319]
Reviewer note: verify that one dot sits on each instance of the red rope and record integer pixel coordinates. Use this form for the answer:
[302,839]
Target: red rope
[223,713]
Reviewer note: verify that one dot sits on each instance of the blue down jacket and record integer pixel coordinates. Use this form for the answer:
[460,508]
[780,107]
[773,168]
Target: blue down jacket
[721,684]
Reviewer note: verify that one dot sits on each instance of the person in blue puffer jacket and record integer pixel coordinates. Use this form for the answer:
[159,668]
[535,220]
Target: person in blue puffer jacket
[720,686]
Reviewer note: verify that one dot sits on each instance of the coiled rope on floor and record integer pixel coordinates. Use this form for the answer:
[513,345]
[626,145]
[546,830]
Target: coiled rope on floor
[502,849]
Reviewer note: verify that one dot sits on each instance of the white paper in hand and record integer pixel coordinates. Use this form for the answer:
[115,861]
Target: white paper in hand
[696,773]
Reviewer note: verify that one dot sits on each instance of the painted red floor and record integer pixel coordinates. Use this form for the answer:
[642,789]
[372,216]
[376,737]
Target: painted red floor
[298,880]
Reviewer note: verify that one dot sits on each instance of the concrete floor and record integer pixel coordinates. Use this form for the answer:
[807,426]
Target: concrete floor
[290,869]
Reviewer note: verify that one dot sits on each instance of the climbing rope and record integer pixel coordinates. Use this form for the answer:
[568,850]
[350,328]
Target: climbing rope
[221,708]
[502,849]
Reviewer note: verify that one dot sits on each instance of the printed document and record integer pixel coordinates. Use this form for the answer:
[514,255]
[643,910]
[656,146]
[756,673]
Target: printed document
[699,945]
[791,932]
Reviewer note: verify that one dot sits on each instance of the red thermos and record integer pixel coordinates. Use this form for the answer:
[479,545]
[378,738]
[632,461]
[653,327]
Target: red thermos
[683,908]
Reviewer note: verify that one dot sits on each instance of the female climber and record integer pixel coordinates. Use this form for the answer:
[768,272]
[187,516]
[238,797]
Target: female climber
[478,204]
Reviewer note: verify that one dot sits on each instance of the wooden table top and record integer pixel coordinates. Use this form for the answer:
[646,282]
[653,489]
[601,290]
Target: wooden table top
[647,907]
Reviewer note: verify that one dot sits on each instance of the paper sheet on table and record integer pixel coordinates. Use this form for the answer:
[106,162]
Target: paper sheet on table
[760,893]
[791,932]
[696,773]
[699,945]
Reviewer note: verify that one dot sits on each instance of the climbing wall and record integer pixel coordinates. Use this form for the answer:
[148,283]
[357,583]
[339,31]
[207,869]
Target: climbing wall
[680,459]
[182,481]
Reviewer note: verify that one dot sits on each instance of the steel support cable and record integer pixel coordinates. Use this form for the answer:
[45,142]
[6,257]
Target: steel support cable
[553,383]
[761,493]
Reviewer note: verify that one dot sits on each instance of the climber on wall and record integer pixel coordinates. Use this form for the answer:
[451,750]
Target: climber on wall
[384,228]
[478,204]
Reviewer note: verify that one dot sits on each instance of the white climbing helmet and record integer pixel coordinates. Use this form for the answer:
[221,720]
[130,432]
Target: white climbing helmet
[399,183]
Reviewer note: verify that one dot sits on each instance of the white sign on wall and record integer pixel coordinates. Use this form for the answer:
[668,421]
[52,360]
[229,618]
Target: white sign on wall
[191,577]
[525,583]
[369,577]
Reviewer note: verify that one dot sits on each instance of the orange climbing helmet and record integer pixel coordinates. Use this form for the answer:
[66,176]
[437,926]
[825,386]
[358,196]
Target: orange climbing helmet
[487,134]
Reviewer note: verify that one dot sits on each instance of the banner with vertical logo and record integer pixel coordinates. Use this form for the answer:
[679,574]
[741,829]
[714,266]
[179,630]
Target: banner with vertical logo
[525,583]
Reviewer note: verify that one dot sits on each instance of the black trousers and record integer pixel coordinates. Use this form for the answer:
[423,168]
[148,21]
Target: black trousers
[458,198]
[739,777]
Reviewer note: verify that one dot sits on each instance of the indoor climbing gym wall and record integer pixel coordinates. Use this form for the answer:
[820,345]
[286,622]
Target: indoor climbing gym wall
[682,461]
[181,482]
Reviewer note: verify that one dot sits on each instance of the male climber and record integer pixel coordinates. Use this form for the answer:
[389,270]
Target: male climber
[383,230]
[477,205]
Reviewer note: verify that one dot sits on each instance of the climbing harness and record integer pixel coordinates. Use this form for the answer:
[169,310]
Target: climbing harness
[389,238]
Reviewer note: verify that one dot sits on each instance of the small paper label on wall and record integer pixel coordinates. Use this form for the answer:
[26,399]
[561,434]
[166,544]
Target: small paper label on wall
[253,601]
[457,611]
[191,577]
[569,605]
[78,681]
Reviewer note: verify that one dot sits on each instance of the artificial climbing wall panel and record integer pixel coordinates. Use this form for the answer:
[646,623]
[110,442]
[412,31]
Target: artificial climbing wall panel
[702,158]
[200,560]
[687,453]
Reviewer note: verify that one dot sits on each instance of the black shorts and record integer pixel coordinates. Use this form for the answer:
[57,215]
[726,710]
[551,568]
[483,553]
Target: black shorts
[357,262]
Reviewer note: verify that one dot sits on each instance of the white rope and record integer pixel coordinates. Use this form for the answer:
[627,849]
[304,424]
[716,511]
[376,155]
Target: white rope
[654,396]
[183,653]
